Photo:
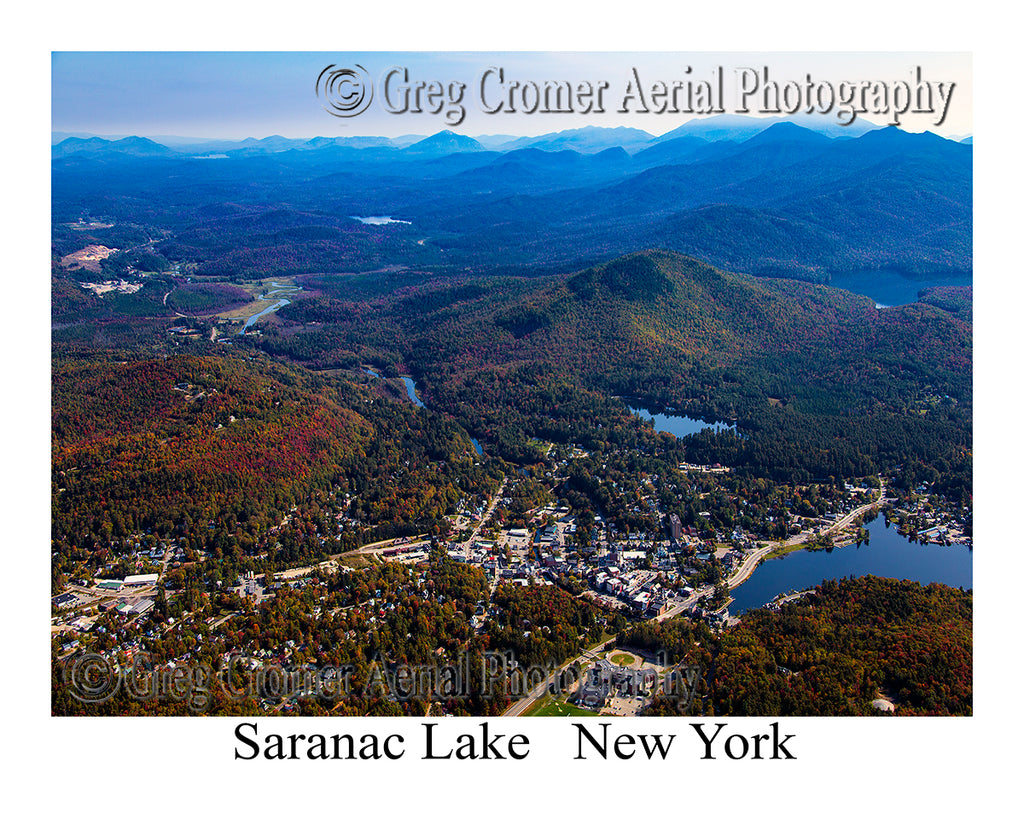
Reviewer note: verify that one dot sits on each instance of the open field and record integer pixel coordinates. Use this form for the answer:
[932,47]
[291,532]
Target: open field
[353,560]
[549,707]
[88,258]
[256,289]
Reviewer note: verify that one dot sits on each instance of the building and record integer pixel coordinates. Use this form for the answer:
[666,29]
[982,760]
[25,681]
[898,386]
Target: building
[141,579]
[605,679]
[675,526]
[111,584]
[143,605]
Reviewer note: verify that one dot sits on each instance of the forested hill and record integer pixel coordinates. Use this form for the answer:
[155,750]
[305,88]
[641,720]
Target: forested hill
[820,381]
[216,451]
[842,650]
[885,638]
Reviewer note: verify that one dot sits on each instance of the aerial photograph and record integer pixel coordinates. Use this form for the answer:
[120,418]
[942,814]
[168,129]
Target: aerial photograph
[570,384]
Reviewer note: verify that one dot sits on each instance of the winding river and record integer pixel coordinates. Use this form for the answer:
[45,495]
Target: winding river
[410,389]
[277,305]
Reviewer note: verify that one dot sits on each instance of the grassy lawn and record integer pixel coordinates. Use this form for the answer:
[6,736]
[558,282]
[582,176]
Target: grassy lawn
[548,707]
[622,659]
[781,550]
[354,561]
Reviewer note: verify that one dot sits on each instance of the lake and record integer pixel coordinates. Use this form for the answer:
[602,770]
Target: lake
[887,554]
[889,289]
[380,220]
[680,425]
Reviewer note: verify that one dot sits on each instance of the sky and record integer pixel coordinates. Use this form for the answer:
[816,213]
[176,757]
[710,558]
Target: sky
[233,95]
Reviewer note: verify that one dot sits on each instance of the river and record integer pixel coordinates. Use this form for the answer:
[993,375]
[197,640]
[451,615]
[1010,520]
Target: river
[410,385]
[277,305]
[410,389]
[887,554]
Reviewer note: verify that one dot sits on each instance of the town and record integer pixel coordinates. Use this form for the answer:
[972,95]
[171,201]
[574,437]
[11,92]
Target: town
[148,597]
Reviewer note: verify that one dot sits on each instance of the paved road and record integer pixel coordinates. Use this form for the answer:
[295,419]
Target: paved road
[860,510]
[486,515]
[520,706]
[790,597]
[754,558]
[750,562]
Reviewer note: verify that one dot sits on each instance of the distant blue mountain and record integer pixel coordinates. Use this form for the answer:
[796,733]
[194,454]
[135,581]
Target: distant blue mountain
[738,127]
[733,127]
[348,142]
[589,140]
[533,169]
[493,142]
[786,132]
[445,142]
[132,146]
[784,200]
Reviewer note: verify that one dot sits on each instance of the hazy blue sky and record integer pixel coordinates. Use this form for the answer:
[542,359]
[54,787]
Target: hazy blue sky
[240,94]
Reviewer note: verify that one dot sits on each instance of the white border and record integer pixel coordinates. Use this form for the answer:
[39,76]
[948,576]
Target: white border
[161,767]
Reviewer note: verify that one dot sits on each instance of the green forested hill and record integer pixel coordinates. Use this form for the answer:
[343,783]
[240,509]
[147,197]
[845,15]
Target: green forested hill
[821,383]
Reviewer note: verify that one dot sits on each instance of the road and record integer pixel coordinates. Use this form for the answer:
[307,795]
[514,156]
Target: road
[750,562]
[168,551]
[520,706]
[486,516]
[860,510]
[754,558]
[790,597]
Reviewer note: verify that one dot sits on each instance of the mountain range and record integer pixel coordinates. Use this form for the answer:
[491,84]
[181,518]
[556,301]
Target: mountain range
[589,139]
[747,194]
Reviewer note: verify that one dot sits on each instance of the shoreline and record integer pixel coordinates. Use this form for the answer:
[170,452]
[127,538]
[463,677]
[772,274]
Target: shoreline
[755,558]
